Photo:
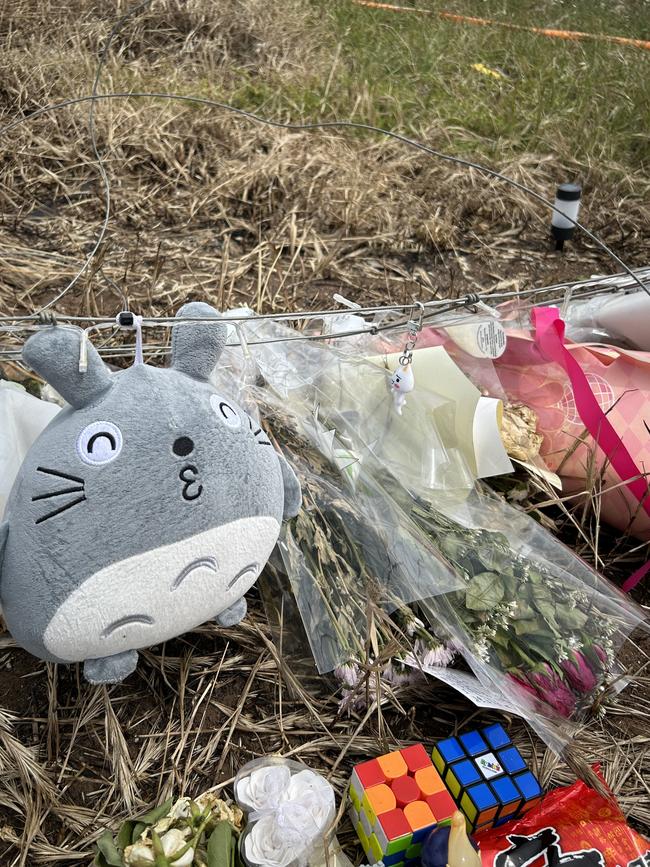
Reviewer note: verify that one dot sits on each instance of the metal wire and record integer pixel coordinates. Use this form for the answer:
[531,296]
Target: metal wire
[335,124]
[118,351]
[579,289]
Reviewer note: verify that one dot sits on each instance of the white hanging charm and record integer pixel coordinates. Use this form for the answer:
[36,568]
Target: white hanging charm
[401,383]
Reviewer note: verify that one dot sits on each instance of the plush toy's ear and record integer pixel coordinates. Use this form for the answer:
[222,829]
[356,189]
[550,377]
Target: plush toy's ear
[196,347]
[54,352]
[292,492]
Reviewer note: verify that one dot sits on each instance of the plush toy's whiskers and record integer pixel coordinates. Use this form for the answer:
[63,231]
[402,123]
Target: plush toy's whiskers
[81,499]
[57,494]
[79,488]
[59,474]
[259,433]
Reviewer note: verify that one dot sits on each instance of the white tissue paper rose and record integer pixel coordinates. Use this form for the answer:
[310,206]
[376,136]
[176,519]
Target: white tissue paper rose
[267,844]
[263,789]
[315,794]
[288,813]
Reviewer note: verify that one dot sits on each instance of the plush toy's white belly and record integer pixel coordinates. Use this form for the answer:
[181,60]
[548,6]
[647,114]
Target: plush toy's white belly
[159,594]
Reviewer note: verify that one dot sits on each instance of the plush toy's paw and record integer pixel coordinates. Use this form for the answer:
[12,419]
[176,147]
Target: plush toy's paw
[233,615]
[111,669]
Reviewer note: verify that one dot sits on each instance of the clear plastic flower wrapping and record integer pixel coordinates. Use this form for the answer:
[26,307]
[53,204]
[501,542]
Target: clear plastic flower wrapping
[395,527]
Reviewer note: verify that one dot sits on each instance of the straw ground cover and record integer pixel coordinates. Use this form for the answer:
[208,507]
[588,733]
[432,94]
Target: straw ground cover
[211,206]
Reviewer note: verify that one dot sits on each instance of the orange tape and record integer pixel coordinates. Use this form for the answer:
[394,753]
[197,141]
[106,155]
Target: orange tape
[575,35]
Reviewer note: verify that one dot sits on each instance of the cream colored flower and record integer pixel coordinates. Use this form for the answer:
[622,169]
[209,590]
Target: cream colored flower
[163,825]
[181,809]
[220,810]
[174,841]
[138,855]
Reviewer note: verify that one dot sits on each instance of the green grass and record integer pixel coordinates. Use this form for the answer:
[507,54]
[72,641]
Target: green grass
[588,101]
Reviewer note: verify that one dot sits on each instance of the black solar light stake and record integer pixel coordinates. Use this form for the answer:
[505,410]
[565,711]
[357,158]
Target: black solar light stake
[567,200]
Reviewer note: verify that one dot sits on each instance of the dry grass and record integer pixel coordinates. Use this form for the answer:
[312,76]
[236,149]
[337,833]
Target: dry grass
[207,205]
[77,758]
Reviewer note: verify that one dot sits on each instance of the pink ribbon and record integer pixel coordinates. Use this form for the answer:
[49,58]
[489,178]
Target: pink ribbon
[549,337]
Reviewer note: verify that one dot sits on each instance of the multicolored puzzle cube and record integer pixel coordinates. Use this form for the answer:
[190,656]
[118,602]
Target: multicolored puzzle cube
[487,776]
[397,799]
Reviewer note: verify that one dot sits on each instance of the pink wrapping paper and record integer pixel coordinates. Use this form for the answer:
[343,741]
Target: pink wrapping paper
[620,383]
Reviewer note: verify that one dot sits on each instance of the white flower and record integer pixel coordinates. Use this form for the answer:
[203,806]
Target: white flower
[181,809]
[268,844]
[291,812]
[264,788]
[437,657]
[138,855]
[174,841]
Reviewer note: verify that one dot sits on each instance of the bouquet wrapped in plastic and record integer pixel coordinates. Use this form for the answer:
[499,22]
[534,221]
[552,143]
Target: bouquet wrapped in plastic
[396,545]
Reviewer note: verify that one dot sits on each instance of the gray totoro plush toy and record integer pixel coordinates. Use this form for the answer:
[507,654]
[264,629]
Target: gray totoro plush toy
[148,506]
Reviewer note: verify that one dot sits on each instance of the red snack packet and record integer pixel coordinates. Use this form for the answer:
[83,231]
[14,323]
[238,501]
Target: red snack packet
[573,826]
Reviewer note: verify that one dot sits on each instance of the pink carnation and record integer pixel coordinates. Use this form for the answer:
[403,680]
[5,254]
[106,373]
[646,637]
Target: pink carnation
[578,672]
[522,683]
[553,689]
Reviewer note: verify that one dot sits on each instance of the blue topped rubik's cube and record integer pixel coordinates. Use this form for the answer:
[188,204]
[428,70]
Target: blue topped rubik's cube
[487,776]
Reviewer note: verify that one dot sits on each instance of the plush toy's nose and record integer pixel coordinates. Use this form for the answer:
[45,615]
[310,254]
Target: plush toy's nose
[192,490]
[183,446]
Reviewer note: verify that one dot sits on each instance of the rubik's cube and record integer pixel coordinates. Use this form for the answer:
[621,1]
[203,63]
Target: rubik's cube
[487,776]
[397,799]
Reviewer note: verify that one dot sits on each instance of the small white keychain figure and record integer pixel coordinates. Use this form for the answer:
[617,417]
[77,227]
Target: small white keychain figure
[402,381]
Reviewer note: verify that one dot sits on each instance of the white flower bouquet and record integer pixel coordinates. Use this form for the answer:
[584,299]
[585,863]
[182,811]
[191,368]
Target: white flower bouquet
[185,833]
[290,811]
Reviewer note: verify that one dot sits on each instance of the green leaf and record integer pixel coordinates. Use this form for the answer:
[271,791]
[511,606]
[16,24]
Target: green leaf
[157,813]
[484,591]
[107,847]
[138,828]
[158,850]
[543,645]
[524,611]
[511,583]
[571,618]
[220,845]
[525,627]
[124,837]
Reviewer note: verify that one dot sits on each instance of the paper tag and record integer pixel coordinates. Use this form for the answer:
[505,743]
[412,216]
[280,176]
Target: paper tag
[491,456]
[486,339]
[470,687]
